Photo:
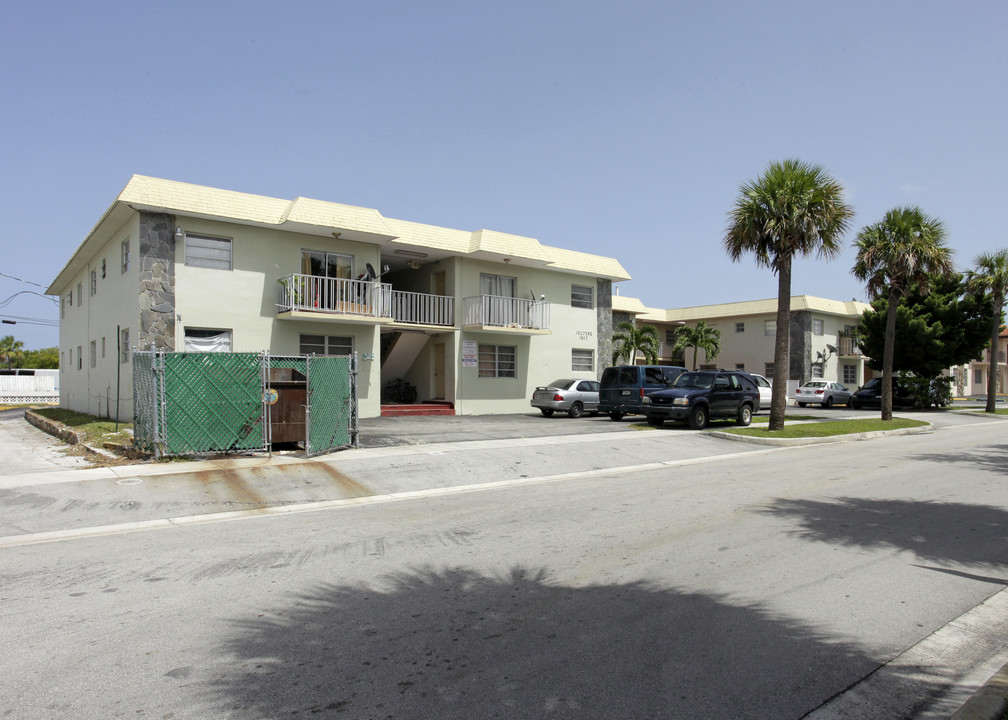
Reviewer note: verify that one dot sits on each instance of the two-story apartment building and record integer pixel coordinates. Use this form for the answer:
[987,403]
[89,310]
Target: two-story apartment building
[971,380]
[475,319]
[822,344]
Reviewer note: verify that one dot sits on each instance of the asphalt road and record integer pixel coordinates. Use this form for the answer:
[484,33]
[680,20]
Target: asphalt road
[620,573]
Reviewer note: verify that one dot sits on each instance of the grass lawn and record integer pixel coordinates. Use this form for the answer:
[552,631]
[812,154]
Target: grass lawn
[827,428]
[92,430]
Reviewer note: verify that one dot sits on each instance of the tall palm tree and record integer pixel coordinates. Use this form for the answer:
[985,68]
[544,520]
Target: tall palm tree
[702,337]
[991,275]
[905,248]
[629,340]
[792,209]
[10,350]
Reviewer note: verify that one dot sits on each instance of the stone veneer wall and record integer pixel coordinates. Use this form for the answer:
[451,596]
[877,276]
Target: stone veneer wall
[157,281]
[800,356]
[606,322]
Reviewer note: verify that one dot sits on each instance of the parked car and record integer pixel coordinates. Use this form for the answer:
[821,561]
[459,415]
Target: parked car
[765,391]
[625,389]
[570,395]
[870,394]
[822,392]
[698,396]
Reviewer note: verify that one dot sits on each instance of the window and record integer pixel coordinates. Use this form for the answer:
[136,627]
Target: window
[817,370]
[670,336]
[80,294]
[740,327]
[497,361]
[582,360]
[740,366]
[71,358]
[80,358]
[124,354]
[94,282]
[208,252]
[978,376]
[707,366]
[498,285]
[326,345]
[768,369]
[103,347]
[94,353]
[204,340]
[103,268]
[849,374]
[769,327]
[581,296]
[323,264]
[63,305]
[124,254]
[817,327]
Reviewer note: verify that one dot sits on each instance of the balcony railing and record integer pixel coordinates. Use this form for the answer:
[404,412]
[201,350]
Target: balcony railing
[848,346]
[506,312]
[422,309]
[363,297]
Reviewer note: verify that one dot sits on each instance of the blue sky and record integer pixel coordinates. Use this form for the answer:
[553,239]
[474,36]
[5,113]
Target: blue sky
[623,129]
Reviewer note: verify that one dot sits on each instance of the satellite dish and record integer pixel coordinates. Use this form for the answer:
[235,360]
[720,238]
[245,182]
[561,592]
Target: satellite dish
[831,349]
[532,294]
[370,271]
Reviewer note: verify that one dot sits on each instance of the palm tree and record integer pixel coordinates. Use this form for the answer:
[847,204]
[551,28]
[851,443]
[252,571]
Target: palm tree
[905,248]
[702,337]
[629,340]
[792,209]
[11,350]
[991,275]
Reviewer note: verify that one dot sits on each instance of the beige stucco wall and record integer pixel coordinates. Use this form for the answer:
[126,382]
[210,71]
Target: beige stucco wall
[93,317]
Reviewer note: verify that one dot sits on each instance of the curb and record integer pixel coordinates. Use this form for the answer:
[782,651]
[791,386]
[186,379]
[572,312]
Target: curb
[852,437]
[990,702]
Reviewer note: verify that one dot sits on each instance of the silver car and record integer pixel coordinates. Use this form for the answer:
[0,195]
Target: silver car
[570,395]
[822,392]
[765,390]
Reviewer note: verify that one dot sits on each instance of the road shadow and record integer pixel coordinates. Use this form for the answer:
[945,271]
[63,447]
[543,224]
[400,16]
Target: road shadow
[992,457]
[459,644]
[972,535]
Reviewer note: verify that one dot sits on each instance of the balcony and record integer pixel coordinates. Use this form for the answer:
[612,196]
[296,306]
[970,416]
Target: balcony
[848,347]
[506,314]
[311,296]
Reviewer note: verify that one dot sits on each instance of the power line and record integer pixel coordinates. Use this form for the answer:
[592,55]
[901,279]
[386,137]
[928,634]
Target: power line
[53,300]
[27,282]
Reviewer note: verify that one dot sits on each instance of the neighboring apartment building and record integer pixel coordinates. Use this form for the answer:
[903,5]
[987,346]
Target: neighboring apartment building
[971,380]
[822,344]
[475,319]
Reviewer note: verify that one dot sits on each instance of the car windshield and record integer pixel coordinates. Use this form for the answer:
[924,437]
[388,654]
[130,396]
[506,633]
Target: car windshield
[565,383]
[694,380]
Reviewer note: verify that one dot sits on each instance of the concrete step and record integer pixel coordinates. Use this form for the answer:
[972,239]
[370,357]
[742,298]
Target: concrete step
[414,409]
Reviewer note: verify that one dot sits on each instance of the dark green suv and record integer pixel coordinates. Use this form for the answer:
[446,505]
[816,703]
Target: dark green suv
[697,397]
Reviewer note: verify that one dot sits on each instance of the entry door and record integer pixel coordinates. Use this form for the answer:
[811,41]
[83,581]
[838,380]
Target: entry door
[439,371]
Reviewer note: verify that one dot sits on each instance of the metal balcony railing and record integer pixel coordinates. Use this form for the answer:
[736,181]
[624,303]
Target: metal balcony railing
[364,297]
[506,312]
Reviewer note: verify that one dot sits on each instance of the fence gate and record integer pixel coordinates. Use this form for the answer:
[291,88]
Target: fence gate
[331,415]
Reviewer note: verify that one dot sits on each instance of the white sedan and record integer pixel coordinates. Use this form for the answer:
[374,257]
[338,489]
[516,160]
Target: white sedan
[765,390]
[822,392]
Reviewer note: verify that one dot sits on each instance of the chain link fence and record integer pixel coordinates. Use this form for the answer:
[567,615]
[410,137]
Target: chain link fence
[218,403]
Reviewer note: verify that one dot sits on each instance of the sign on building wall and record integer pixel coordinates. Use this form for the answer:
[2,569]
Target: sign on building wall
[470,353]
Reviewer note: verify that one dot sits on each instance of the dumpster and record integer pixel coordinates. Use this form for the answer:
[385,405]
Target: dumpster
[287,412]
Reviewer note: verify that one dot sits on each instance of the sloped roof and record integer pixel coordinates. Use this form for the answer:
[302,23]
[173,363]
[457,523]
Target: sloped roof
[851,308]
[321,217]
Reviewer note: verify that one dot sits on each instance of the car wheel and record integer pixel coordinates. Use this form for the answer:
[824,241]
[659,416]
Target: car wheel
[546,411]
[828,402]
[744,416]
[801,404]
[615,416]
[576,410]
[698,418]
[655,421]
